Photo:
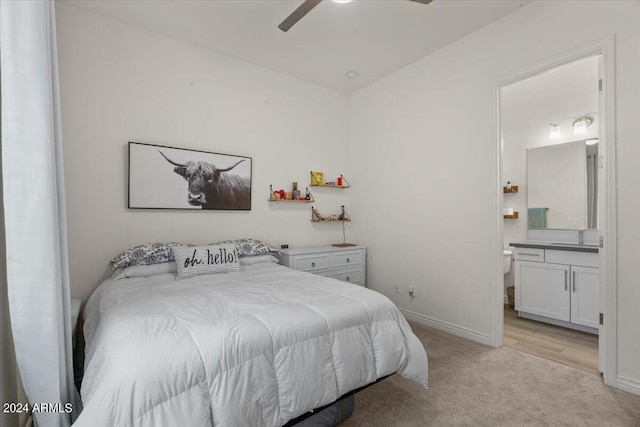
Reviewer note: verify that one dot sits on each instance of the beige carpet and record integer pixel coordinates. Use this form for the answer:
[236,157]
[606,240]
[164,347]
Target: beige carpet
[474,385]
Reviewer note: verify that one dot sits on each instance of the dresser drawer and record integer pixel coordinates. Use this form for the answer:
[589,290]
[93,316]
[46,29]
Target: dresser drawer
[346,265]
[351,276]
[529,254]
[312,263]
[347,259]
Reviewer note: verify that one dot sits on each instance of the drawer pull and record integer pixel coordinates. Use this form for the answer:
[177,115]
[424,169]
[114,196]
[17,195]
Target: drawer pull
[574,281]
[313,264]
[348,260]
[348,279]
[565,280]
[526,254]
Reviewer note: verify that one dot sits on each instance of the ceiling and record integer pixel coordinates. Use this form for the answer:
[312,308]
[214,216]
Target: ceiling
[372,37]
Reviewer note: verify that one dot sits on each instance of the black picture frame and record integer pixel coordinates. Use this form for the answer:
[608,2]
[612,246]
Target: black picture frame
[163,177]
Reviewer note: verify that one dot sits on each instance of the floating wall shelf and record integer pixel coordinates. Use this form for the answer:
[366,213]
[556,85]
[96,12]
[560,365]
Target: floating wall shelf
[329,185]
[514,216]
[513,189]
[292,201]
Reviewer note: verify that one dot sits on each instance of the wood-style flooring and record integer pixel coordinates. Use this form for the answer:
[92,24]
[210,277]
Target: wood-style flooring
[567,346]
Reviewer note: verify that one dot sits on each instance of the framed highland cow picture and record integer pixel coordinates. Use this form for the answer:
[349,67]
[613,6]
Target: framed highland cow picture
[162,177]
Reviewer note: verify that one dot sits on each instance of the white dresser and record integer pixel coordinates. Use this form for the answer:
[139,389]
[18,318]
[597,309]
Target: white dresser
[346,264]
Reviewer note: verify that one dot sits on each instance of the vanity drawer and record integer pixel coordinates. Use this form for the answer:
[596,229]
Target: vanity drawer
[347,259]
[529,254]
[583,259]
[320,262]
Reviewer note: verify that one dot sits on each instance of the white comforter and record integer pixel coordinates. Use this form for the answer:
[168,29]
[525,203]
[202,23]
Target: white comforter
[252,348]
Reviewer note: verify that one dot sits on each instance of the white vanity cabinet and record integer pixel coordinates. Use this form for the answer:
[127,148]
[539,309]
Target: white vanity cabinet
[558,286]
[584,296]
[343,263]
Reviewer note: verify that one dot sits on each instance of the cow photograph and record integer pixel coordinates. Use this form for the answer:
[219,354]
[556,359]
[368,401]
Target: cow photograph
[162,177]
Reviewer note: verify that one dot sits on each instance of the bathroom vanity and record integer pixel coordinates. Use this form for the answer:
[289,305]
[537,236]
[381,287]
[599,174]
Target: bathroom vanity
[558,283]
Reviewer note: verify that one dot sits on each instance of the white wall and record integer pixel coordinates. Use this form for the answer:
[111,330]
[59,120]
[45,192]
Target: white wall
[122,84]
[424,139]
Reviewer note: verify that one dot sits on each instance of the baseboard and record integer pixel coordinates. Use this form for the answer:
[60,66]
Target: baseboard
[450,328]
[627,384]
[560,323]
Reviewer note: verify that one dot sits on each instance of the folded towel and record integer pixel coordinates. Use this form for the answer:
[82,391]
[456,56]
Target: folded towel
[536,218]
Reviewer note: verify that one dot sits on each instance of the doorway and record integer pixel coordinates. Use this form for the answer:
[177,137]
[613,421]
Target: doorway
[561,91]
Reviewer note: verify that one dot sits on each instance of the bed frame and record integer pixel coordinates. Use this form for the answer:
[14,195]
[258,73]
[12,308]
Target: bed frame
[344,406]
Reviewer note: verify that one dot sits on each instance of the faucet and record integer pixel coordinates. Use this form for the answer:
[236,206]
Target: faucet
[581,237]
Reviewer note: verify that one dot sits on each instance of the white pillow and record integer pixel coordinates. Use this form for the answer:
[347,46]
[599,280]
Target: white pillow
[212,259]
[258,259]
[144,270]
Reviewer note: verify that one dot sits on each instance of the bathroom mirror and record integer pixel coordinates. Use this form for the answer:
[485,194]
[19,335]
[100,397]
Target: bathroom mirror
[562,186]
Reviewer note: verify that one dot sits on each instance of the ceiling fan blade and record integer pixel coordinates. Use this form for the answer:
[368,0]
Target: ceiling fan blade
[298,14]
[422,1]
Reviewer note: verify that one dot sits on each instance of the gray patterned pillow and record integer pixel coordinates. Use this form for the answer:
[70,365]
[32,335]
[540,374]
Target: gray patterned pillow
[150,253]
[251,247]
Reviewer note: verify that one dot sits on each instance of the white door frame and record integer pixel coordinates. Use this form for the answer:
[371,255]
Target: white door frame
[607,195]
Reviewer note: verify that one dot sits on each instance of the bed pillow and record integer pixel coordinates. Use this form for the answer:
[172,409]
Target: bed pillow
[251,247]
[212,259]
[147,254]
[258,259]
[144,270]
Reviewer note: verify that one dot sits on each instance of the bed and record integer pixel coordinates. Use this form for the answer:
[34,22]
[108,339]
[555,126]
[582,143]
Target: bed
[258,346]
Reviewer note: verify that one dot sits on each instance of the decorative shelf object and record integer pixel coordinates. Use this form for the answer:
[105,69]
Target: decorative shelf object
[316,217]
[513,189]
[282,196]
[317,180]
[514,216]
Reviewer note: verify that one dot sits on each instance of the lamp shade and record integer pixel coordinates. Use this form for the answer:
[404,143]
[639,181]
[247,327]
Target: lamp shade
[554,132]
[580,127]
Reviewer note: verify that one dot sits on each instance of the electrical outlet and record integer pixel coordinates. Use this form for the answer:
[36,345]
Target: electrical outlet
[284,246]
[396,288]
[412,291]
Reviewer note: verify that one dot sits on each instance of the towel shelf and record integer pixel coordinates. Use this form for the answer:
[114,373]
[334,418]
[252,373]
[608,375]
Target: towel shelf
[513,189]
[514,216]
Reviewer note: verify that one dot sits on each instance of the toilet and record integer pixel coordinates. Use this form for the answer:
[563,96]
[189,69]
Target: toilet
[506,263]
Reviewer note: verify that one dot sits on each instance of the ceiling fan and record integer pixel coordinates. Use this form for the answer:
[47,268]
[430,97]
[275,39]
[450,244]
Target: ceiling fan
[306,7]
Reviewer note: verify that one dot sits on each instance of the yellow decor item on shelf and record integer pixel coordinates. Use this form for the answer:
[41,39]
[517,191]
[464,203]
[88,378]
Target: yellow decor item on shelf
[317,178]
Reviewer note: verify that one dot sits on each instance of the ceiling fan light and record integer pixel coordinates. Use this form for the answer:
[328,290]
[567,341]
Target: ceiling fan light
[554,132]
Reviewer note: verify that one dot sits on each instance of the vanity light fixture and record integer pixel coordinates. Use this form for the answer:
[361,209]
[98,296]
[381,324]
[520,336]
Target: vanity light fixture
[341,1]
[580,125]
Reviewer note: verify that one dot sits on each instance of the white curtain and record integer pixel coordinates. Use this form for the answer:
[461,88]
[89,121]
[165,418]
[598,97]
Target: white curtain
[34,208]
